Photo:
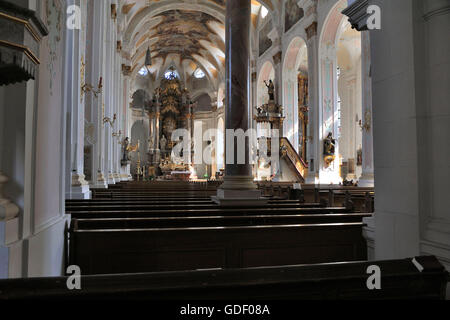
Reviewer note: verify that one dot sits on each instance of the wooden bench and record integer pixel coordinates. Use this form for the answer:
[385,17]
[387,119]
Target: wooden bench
[180,211]
[162,249]
[212,221]
[71,208]
[344,281]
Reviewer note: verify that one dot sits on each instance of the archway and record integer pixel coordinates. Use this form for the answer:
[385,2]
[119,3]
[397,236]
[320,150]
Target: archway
[266,73]
[350,99]
[339,95]
[295,95]
[139,134]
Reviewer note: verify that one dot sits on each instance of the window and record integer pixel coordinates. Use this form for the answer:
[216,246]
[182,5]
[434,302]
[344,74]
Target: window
[143,71]
[264,12]
[199,74]
[171,74]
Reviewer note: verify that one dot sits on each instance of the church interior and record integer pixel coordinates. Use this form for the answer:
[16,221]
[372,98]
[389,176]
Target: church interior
[223,149]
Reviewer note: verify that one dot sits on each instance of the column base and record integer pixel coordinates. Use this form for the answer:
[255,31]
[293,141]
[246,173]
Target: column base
[100,185]
[111,179]
[101,182]
[79,192]
[124,177]
[79,188]
[366,180]
[239,191]
[117,177]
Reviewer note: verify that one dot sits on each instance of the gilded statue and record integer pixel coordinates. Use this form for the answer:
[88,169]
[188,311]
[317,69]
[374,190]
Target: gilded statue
[329,149]
[329,145]
[127,148]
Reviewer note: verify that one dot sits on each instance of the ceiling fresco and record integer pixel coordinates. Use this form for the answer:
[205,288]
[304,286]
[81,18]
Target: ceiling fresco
[181,32]
[178,32]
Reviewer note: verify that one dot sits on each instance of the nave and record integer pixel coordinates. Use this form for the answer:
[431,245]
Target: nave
[290,144]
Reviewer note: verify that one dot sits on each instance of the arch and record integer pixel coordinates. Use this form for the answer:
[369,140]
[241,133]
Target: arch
[140,99]
[329,97]
[295,62]
[203,103]
[139,132]
[267,72]
[350,96]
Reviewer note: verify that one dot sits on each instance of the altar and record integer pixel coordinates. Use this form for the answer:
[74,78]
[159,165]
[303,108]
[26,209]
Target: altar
[171,109]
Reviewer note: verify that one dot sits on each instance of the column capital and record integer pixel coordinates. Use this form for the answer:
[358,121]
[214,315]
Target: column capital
[357,13]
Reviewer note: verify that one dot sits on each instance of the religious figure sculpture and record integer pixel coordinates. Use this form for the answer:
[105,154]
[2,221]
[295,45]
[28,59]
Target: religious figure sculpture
[163,142]
[126,149]
[329,147]
[259,110]
[271,89]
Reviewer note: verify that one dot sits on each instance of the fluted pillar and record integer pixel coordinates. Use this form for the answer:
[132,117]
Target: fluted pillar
[367,177]
[313,140]
[238,186]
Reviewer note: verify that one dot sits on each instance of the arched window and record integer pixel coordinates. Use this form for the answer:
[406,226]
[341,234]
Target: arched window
[199,74]
[171,74]
[264,12]
[143,71]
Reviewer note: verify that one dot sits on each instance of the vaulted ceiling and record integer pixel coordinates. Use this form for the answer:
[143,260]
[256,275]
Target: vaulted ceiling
[185,33]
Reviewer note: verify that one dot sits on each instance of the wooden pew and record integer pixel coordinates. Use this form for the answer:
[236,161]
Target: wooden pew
[343,281]
[71,208]
[178,211]
[212,221]
[165,249]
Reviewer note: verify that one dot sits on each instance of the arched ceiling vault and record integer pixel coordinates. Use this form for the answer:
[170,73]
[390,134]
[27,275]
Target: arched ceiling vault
[181,32]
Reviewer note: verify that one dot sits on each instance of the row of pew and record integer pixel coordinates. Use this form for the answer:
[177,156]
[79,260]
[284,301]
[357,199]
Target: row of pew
[148,233]
[168,240]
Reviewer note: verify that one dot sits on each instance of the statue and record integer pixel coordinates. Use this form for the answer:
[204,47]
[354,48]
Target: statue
[271,89]
[163,142]
[329,149]
[329,145]
[126,149]
[259,110]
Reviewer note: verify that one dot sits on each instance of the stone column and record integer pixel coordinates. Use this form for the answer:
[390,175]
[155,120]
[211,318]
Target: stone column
[76,97]
[434,130]
[126,72]
[238,186]
[157,131]
[313,149]
[367,177]
[98,177]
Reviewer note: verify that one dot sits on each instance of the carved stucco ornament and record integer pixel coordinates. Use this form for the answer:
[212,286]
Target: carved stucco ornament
[21,31]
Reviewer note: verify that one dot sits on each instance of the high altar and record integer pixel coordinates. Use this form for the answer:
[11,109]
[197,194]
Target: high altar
[171,109]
